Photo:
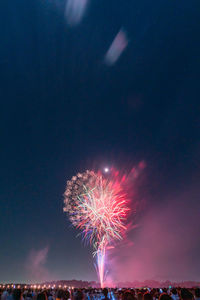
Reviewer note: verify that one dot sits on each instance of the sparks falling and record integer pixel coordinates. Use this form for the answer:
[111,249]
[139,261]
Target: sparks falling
[98,207]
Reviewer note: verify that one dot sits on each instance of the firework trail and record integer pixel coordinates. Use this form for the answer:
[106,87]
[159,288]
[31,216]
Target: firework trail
[98,207]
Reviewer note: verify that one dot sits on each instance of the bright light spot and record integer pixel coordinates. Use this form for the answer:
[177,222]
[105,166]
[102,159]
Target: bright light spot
[106,170]
[117,47]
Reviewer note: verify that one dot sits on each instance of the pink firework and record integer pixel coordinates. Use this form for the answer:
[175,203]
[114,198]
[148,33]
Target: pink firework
[98,206]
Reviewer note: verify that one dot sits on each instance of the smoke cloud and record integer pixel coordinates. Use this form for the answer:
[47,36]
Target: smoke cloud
[165,244]
[35,264]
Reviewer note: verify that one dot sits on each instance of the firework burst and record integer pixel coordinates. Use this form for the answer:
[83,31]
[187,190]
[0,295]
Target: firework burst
[98,207]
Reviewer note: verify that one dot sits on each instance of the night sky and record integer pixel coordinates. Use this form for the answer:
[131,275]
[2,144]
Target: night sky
[63,110]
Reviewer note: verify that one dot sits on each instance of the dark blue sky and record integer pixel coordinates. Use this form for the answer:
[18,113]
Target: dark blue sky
[64,110]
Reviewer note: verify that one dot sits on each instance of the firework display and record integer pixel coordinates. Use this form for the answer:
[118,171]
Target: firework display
[98,207]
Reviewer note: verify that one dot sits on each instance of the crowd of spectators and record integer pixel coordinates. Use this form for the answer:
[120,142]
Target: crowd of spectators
[100,294]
